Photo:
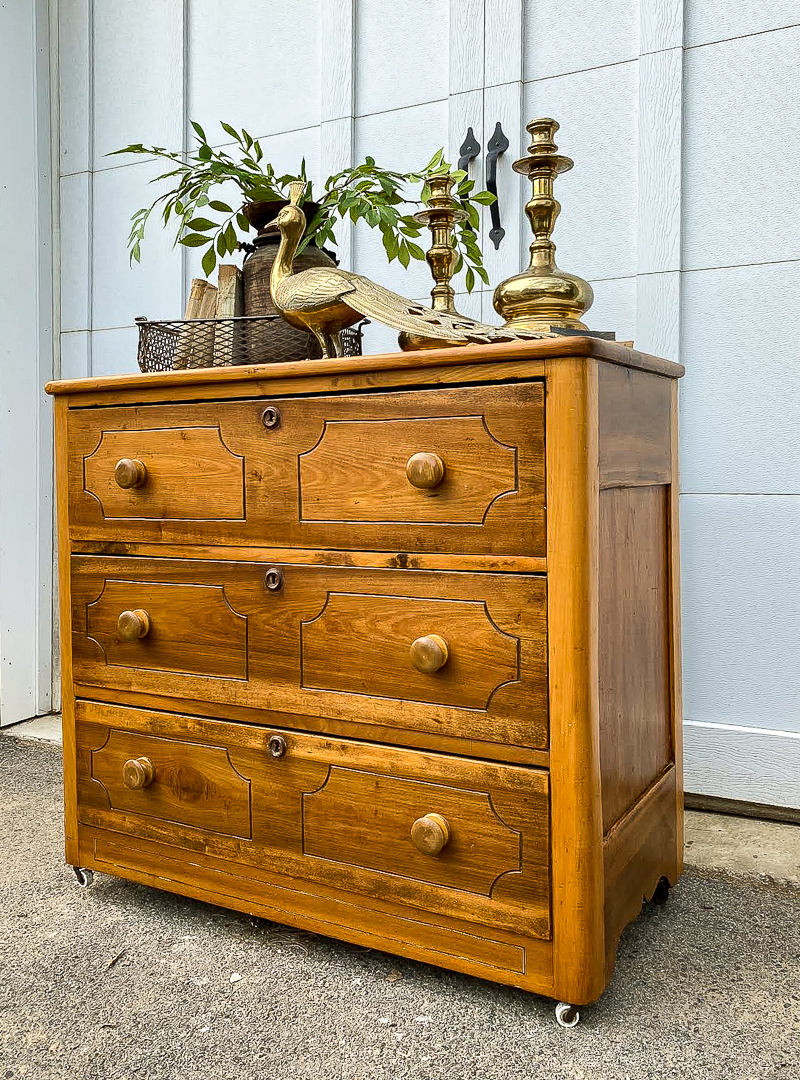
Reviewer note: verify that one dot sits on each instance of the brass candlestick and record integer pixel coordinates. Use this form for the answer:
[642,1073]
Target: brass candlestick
[543,296]
[440,215]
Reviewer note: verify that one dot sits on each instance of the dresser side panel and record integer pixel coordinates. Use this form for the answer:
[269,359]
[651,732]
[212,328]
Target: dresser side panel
[635,722]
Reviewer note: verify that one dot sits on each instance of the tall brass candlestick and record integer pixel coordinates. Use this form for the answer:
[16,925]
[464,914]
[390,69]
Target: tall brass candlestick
[543,296]
[440,215]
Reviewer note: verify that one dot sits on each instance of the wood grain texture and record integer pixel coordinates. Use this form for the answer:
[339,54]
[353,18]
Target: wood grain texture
[438,708]
[572,557]
[313,833]
[61,441]
[459,358]
[639,850]
[451,943]
[675,643]
[465,745]
[337,83]
[392,560]
[660,25]
[636,717]
[635,427]
[331,461]
[193,784]
[353,664]
[189,472]
[190,629]
[503,48]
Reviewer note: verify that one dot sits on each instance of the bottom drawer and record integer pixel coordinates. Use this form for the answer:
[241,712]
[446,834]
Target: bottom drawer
[465,839]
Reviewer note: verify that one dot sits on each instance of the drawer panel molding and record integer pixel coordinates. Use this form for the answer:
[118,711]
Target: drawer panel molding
[361,644]
[184,474]
[187,629]
[189,783]
[446,470]
[364,819]
[362,471]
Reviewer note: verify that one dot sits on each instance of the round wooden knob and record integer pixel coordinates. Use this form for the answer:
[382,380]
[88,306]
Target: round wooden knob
[130,472]
[429,834]
[425,470]
[138,773]
[132,625]
[429,653]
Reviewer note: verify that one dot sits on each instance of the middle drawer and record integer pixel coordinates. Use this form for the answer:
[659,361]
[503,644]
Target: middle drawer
[455,654]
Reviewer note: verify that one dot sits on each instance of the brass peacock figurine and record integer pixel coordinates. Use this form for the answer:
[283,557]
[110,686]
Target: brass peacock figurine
[326,300]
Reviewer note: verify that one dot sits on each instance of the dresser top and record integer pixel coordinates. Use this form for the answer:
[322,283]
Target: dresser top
[532,354]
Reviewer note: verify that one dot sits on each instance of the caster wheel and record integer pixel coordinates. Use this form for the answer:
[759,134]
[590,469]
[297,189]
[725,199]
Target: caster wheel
[567,1016]
[661,895]
[85,877]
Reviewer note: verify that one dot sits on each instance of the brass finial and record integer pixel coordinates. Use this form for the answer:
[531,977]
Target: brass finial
[543,296]
[440,215]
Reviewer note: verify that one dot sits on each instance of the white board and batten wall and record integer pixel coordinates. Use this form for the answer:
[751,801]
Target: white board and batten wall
[683,119]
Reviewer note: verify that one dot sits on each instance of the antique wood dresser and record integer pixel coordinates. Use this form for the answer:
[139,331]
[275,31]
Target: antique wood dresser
[382,647]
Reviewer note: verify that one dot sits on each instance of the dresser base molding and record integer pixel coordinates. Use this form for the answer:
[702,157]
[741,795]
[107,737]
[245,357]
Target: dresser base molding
[432,712]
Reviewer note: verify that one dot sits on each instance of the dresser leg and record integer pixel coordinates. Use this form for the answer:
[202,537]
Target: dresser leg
[567,1016]
[85,877]
[661,895]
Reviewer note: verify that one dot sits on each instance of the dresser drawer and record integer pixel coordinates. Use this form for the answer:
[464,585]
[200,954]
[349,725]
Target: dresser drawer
[462,838]
[456,654]
[453,470]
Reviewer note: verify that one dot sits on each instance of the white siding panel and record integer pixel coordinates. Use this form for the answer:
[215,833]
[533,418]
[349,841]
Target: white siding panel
[337,35]
[404,140]
[255,65]
[748,764]
[614,308]
[504,41]
[597,111]
[75,355]
[658,324]
[714,20]
[401,54]
[138,75]
[740,421]
[153,287]
[114,351]
[563,37]
[740,199]
[74,60]
[466,45]
[741,610]
[75,194]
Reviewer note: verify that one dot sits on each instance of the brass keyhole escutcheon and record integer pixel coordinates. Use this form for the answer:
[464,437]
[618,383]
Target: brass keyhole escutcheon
[130,473]
[425,470]
[132,625]
[429,653]
[430,834]
[276,746]
[138,773]
[271,417]
[273,578]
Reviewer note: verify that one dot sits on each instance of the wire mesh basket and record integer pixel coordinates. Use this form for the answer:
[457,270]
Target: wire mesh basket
[179,344]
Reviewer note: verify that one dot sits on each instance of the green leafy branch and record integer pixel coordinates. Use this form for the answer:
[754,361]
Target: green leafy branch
[364,193]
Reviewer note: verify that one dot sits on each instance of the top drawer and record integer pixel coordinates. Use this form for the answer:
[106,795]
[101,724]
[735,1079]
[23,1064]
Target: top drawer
[455,470]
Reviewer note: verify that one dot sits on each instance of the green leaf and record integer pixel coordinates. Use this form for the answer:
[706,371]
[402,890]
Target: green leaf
[242,222]
[415,250]
[209,261]
[483,275]
[221,207]
[230,130]
[403,255]
[199,130]
[485,198]
[205,152]
[194,240]
[230,237]
[469,279]
[200,224]
[222,244]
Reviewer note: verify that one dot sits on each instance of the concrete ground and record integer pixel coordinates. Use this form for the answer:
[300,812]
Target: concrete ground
[122,981]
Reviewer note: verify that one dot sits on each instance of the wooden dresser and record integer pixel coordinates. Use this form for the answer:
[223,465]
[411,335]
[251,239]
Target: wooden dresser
[386,648]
